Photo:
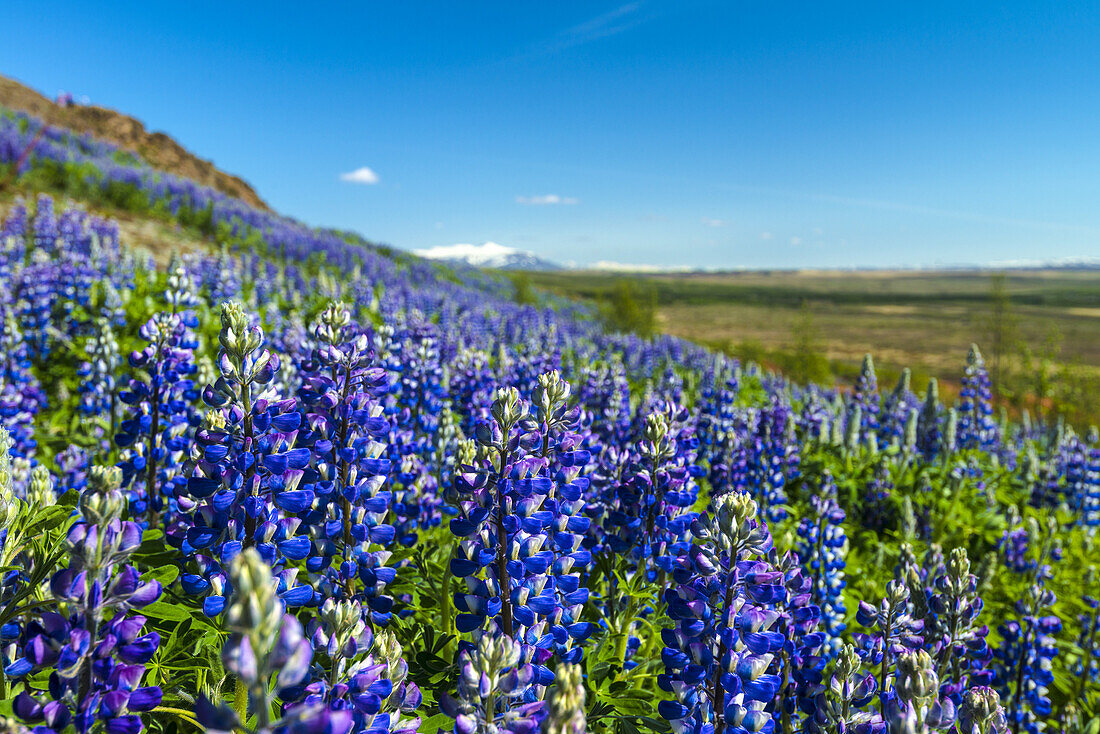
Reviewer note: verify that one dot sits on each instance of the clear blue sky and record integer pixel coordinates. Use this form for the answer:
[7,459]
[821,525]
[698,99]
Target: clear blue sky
[719,133]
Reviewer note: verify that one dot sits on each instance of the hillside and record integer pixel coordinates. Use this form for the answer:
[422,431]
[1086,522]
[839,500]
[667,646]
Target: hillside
[157,148]
[314,465]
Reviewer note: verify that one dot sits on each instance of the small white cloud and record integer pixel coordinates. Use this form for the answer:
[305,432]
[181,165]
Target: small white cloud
[708,221]
[439,225]
[546,199]
[766,235]
[362,175]
[796,240]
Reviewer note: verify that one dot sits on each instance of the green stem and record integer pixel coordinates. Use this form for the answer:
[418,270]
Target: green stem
[188,716]
[240,699]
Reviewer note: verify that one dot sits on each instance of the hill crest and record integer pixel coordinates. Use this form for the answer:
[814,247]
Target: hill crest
[158,149]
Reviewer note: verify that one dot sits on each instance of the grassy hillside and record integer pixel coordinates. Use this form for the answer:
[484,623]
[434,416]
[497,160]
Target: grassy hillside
[157,148]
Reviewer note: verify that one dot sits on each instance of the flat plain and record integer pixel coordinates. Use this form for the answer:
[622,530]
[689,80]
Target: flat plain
[924,320]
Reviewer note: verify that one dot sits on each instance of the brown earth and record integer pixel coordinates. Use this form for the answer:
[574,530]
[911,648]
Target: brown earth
[156,148]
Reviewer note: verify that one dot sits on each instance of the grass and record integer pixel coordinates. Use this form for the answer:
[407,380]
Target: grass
[918,319]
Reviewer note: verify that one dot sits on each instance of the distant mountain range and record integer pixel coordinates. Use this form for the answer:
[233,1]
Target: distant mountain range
[488,255]
[495,256]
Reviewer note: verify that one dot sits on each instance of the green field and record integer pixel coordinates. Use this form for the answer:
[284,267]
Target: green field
[924,320]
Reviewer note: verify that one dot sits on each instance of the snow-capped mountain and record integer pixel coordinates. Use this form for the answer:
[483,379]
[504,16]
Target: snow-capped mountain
[488,255]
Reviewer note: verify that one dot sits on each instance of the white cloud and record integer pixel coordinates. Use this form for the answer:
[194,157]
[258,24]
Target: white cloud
[362,175]
[708,221]
[610,23]
[796,240]
[546,199]
[766,235]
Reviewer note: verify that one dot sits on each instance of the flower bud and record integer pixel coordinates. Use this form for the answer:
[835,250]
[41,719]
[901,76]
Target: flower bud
[506,407]
[102,501]
[237,336]
[911,429]
[566,703]
[255,609]
[916,679]
[981,712]
[40,492]
[950,430]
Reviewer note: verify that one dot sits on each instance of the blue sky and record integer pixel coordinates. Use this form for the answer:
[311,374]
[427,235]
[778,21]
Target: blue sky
[704,133]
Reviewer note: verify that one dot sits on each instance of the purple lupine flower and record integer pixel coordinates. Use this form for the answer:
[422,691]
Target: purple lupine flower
[264,642]
[842,704]
[344,426]
[492,687]
[719,655]
[893,631]
[976,426]
[153,437]
[823,548]
[94,645]
[358,672]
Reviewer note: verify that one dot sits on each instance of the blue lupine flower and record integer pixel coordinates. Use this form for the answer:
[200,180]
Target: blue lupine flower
[976,426]
[154,436]
[348,470]
[823,548]
[492,688]
[94,645]
[244,474]
[719,654]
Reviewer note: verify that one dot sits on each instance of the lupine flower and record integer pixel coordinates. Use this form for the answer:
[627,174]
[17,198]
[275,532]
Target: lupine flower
[976,425]
[952,633]
[914,705]
[348,469]
[517,557]
[265,643]
[981,712]
[1028,645]
[823,547]
[98,391]
[153,437]
[96,647]
[21,396]
[841,704]
[893,631]
[928,423]
[493,682]
[717,657]
[565,703]
[364,674]
[244,473]
[863,405]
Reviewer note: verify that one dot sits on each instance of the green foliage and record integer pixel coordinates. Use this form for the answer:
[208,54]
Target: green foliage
[630,306]
[806,363]
[522,292]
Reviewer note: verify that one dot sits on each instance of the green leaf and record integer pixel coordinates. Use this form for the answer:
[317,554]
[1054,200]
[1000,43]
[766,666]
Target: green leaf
[163,610]
[164,574]
[439,721]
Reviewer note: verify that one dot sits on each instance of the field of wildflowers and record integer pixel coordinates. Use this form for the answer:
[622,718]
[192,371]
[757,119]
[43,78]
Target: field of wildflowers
[299,485]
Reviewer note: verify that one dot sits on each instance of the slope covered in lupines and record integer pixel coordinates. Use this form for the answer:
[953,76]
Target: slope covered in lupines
[300,484]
